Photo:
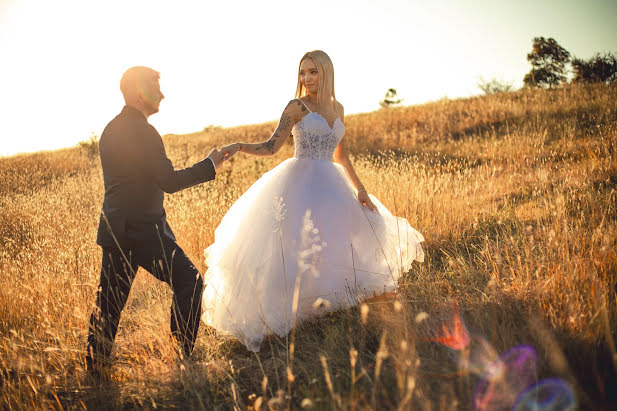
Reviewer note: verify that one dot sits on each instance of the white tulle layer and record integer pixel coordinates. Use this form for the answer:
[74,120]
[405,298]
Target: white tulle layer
[300,228]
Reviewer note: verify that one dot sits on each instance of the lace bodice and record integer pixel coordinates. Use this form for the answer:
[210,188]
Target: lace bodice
[314,139]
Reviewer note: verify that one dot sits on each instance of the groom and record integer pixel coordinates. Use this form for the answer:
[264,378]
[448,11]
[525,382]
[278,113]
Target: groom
[133,230]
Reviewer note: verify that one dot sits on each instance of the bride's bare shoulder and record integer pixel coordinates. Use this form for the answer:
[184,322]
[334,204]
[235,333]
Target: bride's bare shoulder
[295,109]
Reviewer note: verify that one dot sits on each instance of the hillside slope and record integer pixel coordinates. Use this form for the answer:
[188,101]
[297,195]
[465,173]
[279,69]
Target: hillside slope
[515,194]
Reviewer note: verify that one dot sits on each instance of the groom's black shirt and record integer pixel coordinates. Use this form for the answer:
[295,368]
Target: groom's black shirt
[136,173]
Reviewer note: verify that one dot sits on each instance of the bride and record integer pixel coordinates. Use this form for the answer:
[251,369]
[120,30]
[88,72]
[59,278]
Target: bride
[306,237]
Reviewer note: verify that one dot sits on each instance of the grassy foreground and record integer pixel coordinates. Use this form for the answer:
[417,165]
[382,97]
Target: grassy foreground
[515,193]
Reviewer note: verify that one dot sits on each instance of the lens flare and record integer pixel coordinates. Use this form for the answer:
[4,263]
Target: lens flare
[507,381]
[505,378]
[479,357]
[552,394]
[454,335]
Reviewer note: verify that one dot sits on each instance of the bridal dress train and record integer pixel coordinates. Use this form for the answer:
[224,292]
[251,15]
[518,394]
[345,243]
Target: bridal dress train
[298,243]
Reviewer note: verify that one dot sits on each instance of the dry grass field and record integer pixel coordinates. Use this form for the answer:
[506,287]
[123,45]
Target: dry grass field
[515,193]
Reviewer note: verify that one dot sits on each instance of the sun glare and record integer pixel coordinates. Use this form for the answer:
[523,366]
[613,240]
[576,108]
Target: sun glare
[225,67]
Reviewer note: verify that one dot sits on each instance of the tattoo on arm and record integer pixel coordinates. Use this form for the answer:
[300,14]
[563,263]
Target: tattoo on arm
[283,128]
[268,145]
[302,106]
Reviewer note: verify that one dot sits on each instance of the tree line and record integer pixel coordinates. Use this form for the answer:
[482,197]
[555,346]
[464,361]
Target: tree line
[550,63]
[551,66]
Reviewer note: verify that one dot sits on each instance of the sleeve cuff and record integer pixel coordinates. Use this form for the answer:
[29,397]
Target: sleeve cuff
[213,165]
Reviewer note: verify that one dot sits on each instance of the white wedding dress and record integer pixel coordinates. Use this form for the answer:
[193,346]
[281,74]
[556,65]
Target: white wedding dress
[298,243]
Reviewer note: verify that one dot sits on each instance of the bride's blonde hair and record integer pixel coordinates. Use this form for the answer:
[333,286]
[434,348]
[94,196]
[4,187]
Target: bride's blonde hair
[325,89]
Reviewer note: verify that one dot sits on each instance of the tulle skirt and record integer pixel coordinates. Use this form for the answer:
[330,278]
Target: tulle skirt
[297,244]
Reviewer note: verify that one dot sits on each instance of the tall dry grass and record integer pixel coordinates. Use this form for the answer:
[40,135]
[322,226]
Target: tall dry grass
[515,194]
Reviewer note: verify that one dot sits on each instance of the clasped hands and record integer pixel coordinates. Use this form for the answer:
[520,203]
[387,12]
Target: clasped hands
[218,157]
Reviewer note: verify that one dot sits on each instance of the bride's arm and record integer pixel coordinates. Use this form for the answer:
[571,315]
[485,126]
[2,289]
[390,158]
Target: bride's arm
[290,116]
[341,157]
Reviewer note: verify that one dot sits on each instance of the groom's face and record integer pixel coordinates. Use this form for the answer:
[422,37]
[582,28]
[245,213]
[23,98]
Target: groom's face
[151,95]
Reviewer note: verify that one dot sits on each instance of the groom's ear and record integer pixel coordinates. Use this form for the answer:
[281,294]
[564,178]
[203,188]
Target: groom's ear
[137,95]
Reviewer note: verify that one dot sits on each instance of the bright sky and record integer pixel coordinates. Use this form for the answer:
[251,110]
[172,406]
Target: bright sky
[235,62]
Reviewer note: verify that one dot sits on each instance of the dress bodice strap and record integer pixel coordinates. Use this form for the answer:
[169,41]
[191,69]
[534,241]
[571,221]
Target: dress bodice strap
[304,104]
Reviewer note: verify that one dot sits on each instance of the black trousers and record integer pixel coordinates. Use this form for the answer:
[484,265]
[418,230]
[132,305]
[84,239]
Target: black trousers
[167,262]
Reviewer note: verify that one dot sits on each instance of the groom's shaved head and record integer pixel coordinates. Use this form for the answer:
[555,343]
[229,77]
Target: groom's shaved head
[141,89]
[137,79]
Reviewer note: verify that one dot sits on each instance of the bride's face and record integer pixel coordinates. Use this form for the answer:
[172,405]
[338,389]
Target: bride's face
[309,76]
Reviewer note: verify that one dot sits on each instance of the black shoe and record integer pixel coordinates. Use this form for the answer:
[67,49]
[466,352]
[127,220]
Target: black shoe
[97,371]
[99,375]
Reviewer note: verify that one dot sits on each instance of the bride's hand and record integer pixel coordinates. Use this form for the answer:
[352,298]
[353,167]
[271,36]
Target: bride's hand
[365,200]
[230,149]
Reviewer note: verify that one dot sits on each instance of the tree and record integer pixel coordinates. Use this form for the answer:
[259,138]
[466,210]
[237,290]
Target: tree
[493,86]
[601,68]
[548,63]
[391,99]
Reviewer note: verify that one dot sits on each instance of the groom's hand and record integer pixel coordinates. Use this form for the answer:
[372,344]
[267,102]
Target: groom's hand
[230,150]
[217,157]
